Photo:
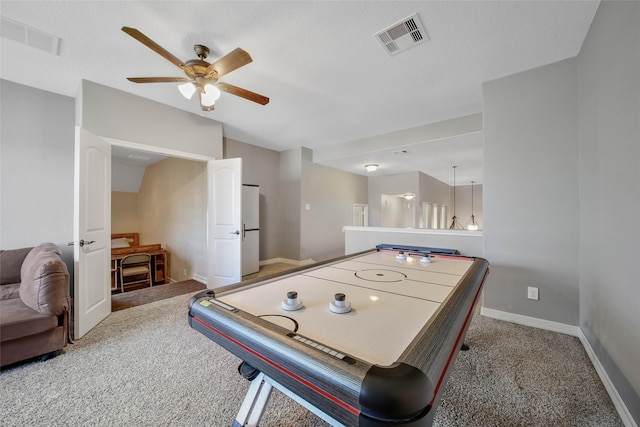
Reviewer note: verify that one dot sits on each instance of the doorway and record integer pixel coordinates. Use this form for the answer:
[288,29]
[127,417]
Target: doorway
[360,215]
[162,199]
[92,224]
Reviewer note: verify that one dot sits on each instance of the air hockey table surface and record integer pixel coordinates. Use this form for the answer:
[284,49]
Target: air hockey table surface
[364,340]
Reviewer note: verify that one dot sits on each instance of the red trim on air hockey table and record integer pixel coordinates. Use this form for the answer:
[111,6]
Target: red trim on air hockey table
[457,346]
[282,369]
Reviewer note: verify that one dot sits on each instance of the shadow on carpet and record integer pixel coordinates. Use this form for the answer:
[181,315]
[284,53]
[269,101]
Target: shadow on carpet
[154,293]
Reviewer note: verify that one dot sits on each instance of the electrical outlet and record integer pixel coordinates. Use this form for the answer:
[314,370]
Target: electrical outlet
[532,293]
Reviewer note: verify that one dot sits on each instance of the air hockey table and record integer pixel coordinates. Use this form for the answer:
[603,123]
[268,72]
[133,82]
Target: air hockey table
[362,340]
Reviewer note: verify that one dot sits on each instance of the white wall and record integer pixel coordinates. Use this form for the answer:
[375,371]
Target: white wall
[468,243]
[126,177]
[111,113]
[531,192]
[609,105]
[36,168]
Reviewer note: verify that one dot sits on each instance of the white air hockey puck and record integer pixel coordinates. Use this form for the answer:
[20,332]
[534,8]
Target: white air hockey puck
[292,302]
[401,256]
[425,259]
[340,305]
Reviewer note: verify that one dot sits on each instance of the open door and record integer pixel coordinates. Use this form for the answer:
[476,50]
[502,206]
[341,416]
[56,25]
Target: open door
[224,240]
[91,232]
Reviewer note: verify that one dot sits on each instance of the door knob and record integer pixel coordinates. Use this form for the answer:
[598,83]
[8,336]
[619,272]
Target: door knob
[86,242]
[237,232]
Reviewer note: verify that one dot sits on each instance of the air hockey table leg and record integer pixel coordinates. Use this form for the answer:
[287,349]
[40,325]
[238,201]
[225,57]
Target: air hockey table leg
[254,403]
[257,397]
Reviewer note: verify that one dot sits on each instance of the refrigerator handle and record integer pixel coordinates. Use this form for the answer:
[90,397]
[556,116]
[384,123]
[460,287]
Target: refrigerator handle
[244,231]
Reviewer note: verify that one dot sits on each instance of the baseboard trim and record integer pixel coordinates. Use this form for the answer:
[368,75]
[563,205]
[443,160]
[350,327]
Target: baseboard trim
[575,331]
[548,325]
[288,261]
[619,404]
[199,278]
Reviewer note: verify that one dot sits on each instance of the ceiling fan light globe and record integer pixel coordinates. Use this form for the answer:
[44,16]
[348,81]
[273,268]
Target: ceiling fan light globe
[210,95]
[187,89]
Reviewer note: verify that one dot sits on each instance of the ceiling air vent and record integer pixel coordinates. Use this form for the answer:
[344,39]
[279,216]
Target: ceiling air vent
[29,36]
[402,35]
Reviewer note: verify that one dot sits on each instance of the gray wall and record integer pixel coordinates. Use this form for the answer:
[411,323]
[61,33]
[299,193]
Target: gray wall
[389,184]
[36,168]
[37,157]
[463,205]
[427,189]
[414,135]
[290,209]
[172,205]
[609,105]
[315,233]
[329,194]
[261,166]
[531,192]
[562,167]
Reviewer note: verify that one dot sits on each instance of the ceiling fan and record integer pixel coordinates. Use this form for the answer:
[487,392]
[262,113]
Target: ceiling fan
[202,76]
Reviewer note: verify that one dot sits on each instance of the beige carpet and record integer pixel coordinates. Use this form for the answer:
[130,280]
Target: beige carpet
[268,269]
[144,366]
[120,301]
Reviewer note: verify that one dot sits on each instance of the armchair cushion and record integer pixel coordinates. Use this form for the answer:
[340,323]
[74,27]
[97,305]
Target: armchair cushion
[18,321]
[42,273]
[11,291]
[10,262]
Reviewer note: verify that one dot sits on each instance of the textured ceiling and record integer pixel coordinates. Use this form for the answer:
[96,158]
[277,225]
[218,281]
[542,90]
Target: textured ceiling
[328,78]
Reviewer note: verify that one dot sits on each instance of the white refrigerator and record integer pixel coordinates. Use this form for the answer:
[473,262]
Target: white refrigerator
[250,229]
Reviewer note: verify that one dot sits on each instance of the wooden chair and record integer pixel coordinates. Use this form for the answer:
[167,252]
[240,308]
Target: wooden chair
[137,268]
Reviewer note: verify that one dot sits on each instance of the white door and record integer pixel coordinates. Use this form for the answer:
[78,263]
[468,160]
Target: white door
[91,232]
[224,228]
[360,215]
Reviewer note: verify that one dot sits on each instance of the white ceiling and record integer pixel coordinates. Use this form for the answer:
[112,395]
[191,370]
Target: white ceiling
[328,78]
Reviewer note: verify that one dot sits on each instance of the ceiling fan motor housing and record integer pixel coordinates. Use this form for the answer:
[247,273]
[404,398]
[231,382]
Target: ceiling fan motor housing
[201,50]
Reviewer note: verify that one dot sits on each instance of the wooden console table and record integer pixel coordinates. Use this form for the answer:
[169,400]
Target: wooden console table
[159,262]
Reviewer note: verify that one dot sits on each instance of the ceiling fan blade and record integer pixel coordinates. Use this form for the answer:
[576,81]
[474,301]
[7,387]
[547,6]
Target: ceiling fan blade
[153,46]
[246,94]
[158,79]
[231,61]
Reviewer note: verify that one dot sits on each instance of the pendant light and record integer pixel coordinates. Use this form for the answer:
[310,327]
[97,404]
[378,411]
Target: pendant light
[454,221]
[472,225]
